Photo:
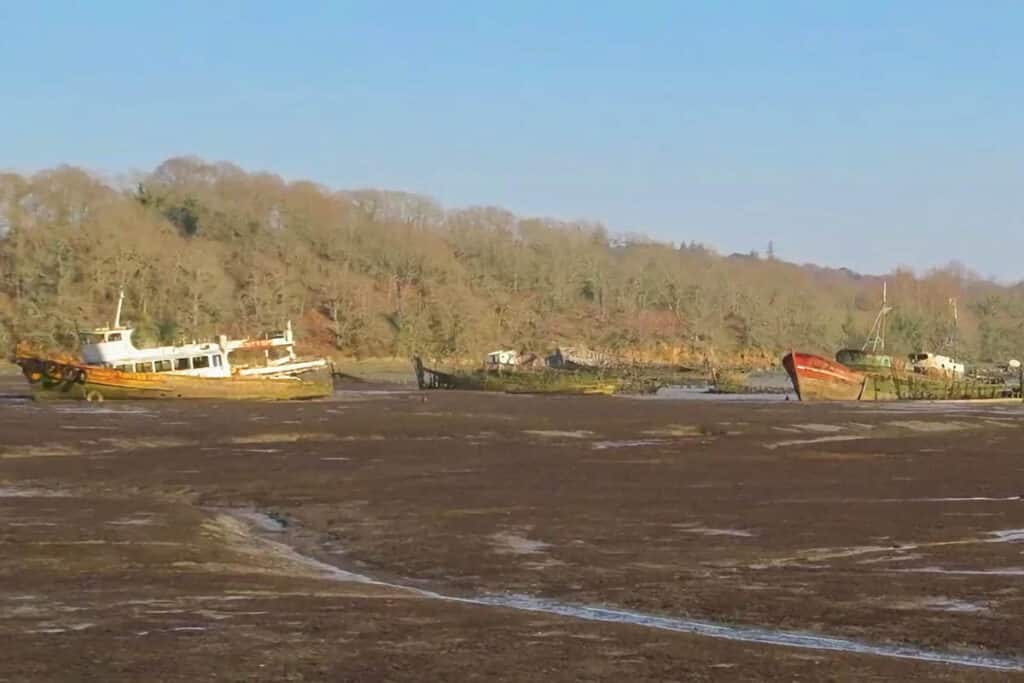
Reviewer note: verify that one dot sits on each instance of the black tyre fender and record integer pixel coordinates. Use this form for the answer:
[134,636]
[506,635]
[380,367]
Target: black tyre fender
[52,370]
[82,376]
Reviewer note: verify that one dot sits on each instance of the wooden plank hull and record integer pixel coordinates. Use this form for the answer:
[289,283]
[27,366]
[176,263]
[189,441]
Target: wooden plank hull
[818,379]
[516,382]
[50,379]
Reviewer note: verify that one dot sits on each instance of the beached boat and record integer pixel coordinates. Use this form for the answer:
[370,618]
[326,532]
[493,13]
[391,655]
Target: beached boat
[111,367]
[818,379]
[536,381]
[869,374]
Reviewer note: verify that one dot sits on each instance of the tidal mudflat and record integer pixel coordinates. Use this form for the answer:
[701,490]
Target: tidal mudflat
[393,535]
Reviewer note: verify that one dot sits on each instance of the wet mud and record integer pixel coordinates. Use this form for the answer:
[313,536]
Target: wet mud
[393,535]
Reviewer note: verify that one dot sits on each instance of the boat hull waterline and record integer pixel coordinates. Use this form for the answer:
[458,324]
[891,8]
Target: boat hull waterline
[52,379]
[819,379]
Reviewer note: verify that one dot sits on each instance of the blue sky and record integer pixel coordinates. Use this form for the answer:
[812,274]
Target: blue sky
[867,134]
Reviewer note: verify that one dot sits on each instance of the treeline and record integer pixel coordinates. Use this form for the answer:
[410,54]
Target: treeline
[203,248]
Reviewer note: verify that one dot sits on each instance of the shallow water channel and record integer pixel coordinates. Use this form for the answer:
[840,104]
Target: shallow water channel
[710,629]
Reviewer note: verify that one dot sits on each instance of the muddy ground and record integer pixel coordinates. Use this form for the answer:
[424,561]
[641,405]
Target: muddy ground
[195,541]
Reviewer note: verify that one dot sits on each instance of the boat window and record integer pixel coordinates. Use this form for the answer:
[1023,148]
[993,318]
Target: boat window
[216,360]
[127,367]
[144,367]
[201,362]
[181,364]
[87,338]
[162,366]
[114,336]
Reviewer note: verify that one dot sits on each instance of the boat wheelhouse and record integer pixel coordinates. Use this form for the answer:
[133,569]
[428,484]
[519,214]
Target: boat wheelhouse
[936,365]
[113,347]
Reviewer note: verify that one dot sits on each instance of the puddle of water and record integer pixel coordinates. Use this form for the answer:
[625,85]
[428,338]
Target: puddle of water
[560,433]
[97,410]
[1009,571]
[516,544]
[931,427]
[970,499]
[635,443]
[942,605]
[820,439]
[894,558]
[707,531]
[820,428]
[702,394]
[951,499]
[259,519]
[12,492]
[141,519]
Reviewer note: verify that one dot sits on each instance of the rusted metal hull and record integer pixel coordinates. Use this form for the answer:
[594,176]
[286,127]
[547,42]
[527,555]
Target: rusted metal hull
[819,379]
[60,379]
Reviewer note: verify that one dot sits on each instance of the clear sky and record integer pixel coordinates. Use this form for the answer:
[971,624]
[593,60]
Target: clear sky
[865,133]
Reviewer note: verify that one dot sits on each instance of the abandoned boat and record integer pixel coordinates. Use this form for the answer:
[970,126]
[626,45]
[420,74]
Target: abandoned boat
[111,367]
[818,379]
[525,381]
[869,374]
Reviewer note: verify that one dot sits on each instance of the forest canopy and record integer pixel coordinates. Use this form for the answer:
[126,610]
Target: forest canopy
[203,248]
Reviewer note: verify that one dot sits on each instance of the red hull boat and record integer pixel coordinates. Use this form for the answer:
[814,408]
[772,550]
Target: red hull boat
[819,379]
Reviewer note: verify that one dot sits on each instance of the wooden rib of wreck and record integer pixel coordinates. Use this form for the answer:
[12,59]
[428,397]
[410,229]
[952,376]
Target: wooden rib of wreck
[578,358]
[111,367]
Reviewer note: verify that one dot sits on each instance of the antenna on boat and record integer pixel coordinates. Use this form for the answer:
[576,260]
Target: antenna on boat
[120,303]
[876,337]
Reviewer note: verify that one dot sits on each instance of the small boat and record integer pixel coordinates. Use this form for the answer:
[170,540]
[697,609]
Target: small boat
[111,367]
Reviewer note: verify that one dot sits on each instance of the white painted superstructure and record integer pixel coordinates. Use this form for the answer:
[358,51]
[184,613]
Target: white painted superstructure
[113,347]
[933,363]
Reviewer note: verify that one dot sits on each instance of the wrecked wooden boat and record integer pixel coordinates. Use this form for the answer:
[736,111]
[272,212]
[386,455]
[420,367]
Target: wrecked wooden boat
[545,381]
[111,367]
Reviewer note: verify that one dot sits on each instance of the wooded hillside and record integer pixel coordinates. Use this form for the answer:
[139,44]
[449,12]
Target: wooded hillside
[203,248]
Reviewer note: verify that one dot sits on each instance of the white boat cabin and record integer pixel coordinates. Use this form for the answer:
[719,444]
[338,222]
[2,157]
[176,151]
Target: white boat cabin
[933,363]
[112,347]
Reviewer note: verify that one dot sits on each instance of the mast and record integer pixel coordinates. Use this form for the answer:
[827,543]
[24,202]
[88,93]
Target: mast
[120,302]
[876,337]
[956,324]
